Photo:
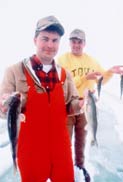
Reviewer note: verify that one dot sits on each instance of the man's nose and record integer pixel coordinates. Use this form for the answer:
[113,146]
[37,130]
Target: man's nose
[50,43]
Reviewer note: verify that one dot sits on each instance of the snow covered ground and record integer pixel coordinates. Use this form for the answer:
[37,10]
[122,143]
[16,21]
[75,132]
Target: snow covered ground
[105,162]
[106,159]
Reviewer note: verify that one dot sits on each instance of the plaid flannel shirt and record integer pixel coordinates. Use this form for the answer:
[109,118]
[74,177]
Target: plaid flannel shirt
[48,80]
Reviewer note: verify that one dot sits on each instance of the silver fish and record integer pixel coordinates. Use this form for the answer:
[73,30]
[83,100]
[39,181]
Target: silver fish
[99,84]
[121,86]
[91,116]
[13,128]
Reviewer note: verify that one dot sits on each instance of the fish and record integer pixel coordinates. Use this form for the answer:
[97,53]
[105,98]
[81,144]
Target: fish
[14,109]
[99,84]
[90,111]
[121,86]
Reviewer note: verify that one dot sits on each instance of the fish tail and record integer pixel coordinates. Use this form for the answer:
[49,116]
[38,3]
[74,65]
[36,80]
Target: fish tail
[14,163]
[94,143]
[15,167]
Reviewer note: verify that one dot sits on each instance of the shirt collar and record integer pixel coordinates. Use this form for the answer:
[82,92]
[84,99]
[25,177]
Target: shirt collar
[37,64]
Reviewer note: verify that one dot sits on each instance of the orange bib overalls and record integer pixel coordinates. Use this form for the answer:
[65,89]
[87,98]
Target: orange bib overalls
[44,149]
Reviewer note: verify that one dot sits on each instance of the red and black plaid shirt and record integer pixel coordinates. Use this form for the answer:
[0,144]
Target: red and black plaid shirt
[47,80]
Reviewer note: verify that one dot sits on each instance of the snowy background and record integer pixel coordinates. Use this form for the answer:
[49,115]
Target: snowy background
[102,22]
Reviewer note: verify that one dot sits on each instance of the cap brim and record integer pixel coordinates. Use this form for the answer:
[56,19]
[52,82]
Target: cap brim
[57,26]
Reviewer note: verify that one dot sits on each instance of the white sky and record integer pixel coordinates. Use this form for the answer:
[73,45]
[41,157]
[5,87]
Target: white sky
[100,19]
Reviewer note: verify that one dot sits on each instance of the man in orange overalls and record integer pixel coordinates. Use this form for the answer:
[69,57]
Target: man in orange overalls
[44,149]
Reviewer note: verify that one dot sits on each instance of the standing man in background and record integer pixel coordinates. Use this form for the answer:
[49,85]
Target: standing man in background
[85,71]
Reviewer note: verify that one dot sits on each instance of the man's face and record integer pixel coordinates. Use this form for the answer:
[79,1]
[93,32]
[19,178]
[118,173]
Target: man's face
[77,46]
[47,44]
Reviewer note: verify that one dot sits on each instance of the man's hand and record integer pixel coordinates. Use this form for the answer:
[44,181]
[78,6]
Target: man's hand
[93,76]
[117,69]
[4,102]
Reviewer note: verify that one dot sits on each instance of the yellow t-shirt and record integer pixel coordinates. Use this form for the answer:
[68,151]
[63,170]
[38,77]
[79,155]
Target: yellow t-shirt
[80,66]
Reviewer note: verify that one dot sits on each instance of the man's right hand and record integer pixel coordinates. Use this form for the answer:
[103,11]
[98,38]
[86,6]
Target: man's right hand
[4,102]
[93,76]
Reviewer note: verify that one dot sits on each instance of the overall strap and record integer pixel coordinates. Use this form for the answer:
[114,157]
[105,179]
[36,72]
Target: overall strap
[63,75]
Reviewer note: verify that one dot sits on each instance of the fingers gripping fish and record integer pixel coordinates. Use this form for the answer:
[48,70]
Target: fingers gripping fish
[13,124]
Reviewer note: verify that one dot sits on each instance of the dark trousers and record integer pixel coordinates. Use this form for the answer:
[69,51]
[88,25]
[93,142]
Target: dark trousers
[77,124]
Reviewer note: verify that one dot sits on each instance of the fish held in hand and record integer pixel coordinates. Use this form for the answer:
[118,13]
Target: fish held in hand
[121,86]
[91,116]
[99,84]
[13,123]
